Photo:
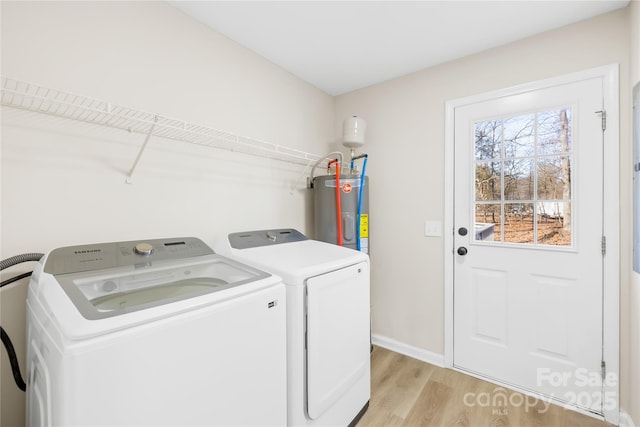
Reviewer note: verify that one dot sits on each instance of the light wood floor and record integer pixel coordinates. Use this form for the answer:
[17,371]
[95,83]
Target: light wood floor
[408,392]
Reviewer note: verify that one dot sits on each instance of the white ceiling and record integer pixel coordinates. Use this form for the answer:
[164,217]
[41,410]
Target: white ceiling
[340,46]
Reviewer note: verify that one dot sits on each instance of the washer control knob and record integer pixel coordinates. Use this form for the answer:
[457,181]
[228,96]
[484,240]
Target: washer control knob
[271,235]
[143,249]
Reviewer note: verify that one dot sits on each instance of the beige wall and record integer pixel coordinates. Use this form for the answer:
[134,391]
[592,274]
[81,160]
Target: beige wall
[64,183]
[405,142]
[632,394]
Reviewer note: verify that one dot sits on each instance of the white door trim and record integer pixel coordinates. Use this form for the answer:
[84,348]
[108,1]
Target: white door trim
[609,74]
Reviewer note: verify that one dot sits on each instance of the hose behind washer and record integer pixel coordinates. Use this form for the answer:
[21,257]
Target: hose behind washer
[11,351]
[13,360]
[6,263]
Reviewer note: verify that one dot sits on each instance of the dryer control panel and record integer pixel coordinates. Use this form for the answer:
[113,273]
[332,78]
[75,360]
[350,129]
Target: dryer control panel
[254,239]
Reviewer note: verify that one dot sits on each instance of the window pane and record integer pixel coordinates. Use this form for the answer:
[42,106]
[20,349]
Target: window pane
[518,223]
[488,184]
[554,131]
[518,136]
[554,223]
[487,223]
[518,179]
[488,136]
[554,178]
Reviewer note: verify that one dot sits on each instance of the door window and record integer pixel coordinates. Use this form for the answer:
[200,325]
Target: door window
[523,178]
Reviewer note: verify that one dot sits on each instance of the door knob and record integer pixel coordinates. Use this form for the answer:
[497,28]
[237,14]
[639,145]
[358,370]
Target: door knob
[462,250]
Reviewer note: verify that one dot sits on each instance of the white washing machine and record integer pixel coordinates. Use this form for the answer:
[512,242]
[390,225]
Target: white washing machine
[162,333]
[328,321]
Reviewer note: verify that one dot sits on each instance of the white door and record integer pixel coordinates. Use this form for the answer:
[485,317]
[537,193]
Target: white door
[528,268]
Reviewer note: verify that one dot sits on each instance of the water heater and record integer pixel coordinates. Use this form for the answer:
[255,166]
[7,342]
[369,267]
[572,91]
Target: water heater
[325,215]
[341,200]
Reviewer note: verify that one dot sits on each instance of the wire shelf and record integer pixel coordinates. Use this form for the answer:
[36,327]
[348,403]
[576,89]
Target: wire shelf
[39,99]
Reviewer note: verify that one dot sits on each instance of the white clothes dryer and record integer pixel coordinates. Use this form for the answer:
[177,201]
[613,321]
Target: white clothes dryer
[161,332]
[328,321]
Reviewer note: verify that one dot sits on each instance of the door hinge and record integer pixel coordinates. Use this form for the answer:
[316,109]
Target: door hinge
[603,368]
[603,245]
[603,117]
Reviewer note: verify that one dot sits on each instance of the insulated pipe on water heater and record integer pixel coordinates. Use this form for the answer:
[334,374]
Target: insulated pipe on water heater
[338,210]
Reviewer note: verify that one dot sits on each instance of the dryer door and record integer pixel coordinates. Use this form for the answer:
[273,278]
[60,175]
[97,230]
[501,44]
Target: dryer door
[338,335]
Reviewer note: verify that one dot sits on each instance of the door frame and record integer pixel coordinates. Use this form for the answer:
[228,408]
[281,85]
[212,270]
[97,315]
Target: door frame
[611,163]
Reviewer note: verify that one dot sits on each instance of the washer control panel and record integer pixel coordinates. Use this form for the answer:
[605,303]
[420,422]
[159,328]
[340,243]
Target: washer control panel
[254,239]
[74,259]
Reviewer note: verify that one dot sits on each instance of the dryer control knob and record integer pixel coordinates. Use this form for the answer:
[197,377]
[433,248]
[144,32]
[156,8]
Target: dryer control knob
[143,249]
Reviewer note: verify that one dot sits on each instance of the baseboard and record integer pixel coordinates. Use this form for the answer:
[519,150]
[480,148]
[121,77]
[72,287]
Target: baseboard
[625,420]
[408,350]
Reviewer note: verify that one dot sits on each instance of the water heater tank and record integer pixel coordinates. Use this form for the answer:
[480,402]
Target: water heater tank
[325,215]
[353,132]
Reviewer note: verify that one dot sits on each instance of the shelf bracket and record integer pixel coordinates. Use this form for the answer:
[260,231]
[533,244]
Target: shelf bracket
[144,145]
[298,179]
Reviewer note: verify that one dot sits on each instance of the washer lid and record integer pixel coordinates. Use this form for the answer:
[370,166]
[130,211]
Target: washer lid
[111,279]
[106,293]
